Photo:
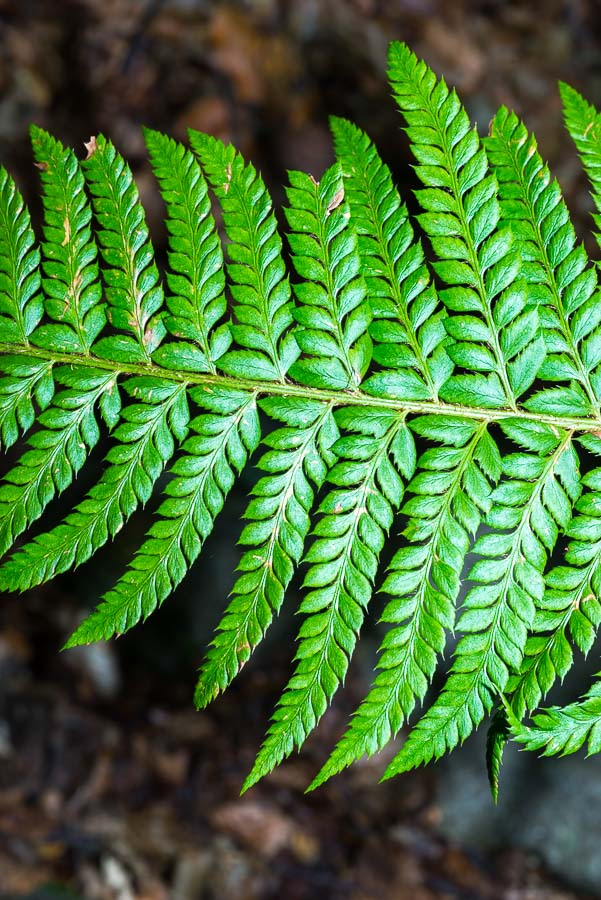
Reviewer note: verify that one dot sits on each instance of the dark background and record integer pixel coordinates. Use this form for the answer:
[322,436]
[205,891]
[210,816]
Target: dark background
[111,787]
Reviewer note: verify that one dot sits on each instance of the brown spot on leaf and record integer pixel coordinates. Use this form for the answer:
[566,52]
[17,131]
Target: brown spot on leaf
[243,652]
[67,227]
[91,146]
[228,178]
[42,166]
[335,201]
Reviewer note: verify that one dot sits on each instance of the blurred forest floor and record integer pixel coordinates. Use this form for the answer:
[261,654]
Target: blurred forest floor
[111,787]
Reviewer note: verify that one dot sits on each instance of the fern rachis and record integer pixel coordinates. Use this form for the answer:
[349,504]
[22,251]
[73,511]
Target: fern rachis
[454,382]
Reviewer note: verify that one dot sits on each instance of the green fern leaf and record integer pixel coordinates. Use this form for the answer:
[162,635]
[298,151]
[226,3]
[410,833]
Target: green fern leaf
[570,605]
[410,343]
[497,332]
[343,563]
[196,279]
[57,452]
[528,507]
[497,737]
[584,125]
[333,312]
[204,474]
[72,288]
[450,492]
[559,279]
[22,381]
[21,305]
[144,443]
[259,285]
[279,514]
[133,291]
[21,310]
[565,730]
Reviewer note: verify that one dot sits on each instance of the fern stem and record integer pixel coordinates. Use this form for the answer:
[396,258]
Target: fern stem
[288,389]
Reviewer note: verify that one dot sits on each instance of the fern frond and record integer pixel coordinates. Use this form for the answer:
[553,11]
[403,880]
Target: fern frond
[373,460]
[410,347]
[204,475]
[560,280]
[530,504]
[259,284]
[21,309]
[133,292]
[450,492]
[570,605]
[468,407]
[22,381]
[299,456]
[57,452]
[498,734]
[196,280]
[144,443]
[496,329]
[564,730]
[21,306]
[72,289]
[334,336]
[583,122]
[333,312]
